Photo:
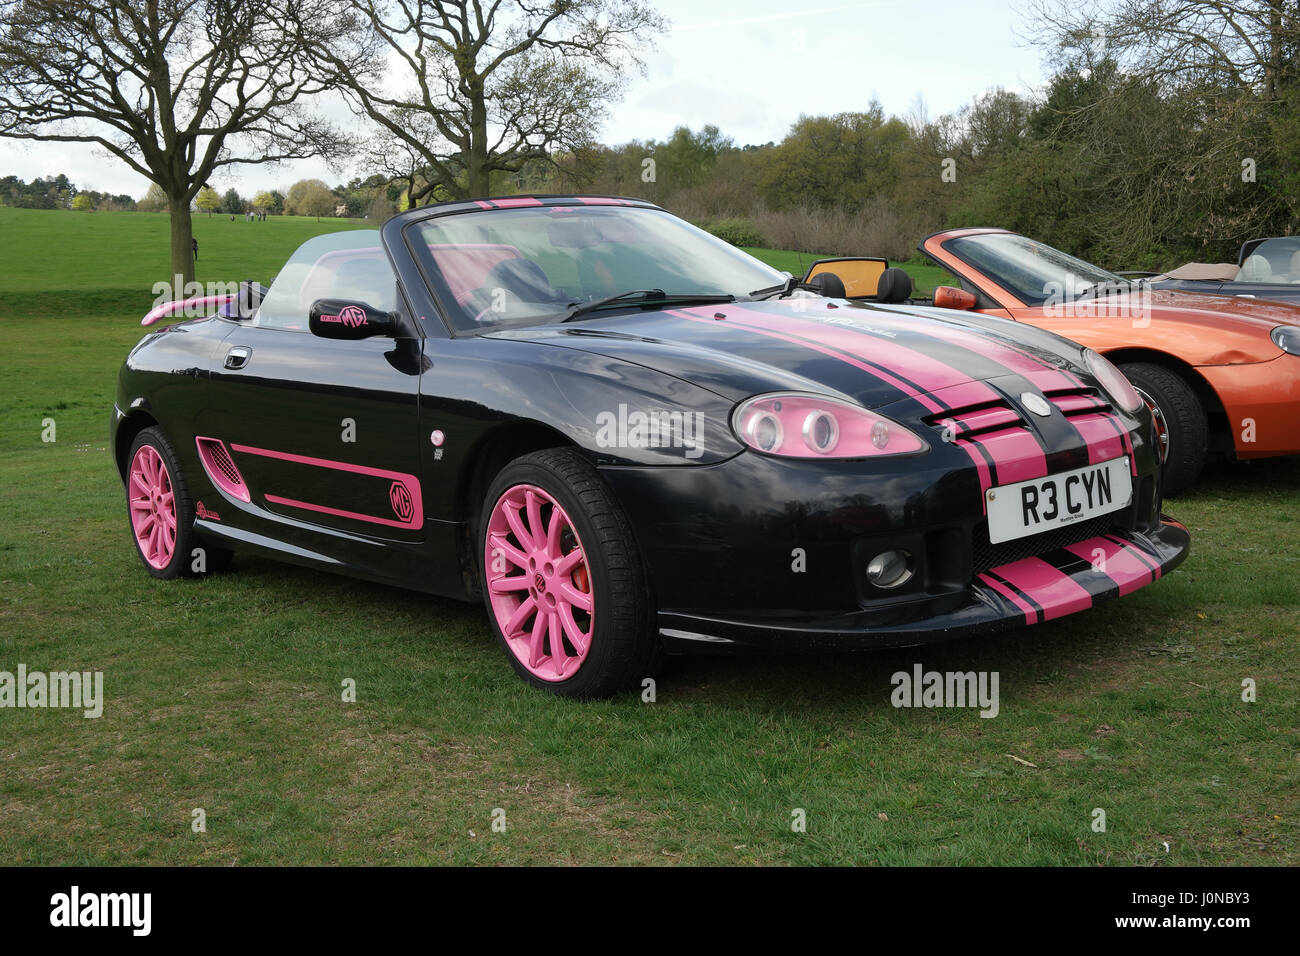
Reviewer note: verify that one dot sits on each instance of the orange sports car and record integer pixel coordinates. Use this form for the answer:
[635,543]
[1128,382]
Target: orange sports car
[1221,374]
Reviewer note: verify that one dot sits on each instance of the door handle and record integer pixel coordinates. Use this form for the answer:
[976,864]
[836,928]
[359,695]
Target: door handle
[238,357]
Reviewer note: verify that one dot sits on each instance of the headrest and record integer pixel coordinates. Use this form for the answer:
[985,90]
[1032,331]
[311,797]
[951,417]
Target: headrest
[827,284]
[895,285]
[1256,269]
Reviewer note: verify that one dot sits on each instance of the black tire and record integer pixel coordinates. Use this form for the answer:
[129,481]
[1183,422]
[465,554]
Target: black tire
[183,558]
[1184,418]
[625,648]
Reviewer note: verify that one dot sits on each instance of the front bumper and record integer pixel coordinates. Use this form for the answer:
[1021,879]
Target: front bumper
[1028,591]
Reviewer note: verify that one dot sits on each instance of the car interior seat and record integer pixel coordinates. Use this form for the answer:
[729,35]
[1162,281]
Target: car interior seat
[1256,269]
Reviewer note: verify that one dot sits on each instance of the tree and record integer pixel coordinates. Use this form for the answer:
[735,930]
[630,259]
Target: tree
[317,201]
[175,89]
[494,83]
[263,201]
[155,200]
[232,202]
[295,202]
[81,202]
[208,200]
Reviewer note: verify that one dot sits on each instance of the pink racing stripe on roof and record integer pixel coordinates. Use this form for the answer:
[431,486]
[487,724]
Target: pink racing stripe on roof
[517,201]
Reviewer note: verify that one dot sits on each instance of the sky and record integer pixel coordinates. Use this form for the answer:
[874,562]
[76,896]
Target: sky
[750,68]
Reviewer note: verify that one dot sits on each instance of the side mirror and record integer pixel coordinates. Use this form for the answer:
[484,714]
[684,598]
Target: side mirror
[946,297]
[341,319]
[860,275]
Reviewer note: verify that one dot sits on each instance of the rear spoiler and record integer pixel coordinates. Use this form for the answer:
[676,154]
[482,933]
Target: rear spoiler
[240,306]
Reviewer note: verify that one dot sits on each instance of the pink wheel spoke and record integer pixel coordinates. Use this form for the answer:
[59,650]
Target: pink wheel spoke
[535,645]
[520,582]
[534,509]
[516,522]
[137,477]
[558,657]
[515,626]
[499,542]
[569,561]
[553,533]
[577,638]
[578,599]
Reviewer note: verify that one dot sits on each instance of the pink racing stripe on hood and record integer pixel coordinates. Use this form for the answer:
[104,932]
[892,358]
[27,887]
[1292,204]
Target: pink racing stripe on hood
[1015,453]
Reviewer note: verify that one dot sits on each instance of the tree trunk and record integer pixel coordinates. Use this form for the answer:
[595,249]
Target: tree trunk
[478,175]
[182,240]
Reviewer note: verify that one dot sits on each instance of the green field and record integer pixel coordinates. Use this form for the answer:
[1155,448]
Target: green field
[223,694]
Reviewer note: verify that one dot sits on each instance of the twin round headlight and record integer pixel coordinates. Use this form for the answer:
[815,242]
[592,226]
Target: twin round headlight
[794,425]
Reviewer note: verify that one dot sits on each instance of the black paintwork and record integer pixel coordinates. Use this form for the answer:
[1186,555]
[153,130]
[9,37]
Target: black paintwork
[717,531]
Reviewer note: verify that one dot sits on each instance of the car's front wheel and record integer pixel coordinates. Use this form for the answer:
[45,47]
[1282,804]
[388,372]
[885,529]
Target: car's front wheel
[161,511]
[1181,425]
[563,579]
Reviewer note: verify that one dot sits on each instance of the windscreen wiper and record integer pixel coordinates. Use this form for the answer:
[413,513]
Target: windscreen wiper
[784,289]
[646,297]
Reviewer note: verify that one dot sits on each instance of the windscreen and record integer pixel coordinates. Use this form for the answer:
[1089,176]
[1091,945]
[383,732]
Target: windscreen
[526,266]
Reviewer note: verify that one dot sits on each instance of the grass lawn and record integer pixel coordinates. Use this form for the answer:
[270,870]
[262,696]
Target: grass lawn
[224,694]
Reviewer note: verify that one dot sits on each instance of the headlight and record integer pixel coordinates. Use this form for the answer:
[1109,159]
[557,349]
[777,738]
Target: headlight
[1287,338]
[794,425]
[1120,389]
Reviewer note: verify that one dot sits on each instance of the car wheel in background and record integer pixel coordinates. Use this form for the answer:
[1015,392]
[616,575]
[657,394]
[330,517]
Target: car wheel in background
[563,580]
[1181,424]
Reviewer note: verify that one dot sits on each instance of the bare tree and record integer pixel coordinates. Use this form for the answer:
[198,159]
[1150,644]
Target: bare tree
[495,84]
[1241,45]
[176,89]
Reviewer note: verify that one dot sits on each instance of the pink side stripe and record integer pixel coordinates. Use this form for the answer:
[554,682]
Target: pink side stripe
[411,483]
[338,512]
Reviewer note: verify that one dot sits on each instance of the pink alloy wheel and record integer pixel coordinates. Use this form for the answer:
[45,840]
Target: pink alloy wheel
[153,507]
[539,583]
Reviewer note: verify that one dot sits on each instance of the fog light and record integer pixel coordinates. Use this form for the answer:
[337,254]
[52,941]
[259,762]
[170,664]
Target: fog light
[890,569]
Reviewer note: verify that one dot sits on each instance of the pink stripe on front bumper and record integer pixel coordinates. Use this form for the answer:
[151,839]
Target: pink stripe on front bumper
[1054,591]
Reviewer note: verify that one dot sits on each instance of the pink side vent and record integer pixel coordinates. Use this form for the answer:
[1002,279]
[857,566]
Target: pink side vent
[221,468]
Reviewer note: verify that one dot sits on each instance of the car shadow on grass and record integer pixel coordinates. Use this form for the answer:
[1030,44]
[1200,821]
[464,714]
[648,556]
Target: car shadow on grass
[770,683]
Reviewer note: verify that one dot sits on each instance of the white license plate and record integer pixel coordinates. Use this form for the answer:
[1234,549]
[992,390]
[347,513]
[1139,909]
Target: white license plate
[1042,504]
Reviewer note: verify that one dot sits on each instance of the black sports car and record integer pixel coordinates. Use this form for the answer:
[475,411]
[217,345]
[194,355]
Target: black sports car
[627,436]
[1265,269]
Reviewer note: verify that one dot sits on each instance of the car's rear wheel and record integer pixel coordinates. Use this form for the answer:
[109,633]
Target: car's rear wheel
[563,580]
[1181,424]
[161,512]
